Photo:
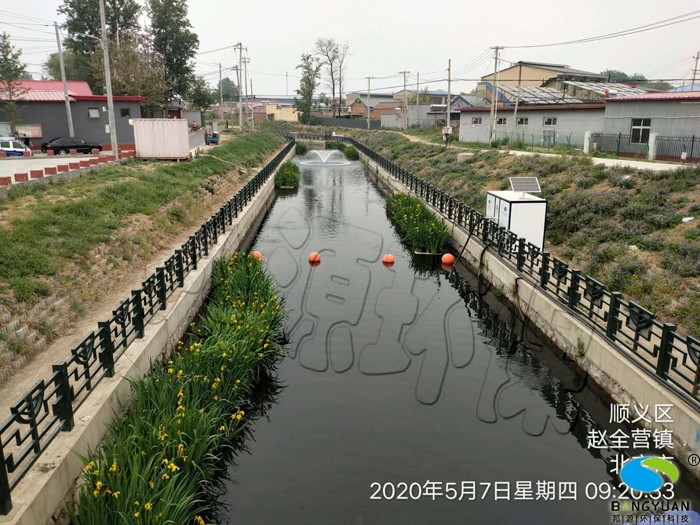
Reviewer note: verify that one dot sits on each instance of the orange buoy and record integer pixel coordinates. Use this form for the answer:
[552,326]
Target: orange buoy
[447,267]
[314,264]
[314,258]
[448,258]
[257,255]
[388,260]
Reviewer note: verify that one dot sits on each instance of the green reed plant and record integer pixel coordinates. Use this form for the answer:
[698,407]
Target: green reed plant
[287,176]
[416,224]
[157,461]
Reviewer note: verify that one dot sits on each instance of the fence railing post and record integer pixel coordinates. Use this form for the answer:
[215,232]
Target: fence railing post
[520,260]
[138,313]
[613,312]
[544,270]
[179,268]
[63,408]
[5,495]
[665,350]
[193,251]
[573,288]
[162,293]
[106,356]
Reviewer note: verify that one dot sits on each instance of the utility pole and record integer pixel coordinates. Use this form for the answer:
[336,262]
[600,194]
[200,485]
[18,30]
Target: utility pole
[417,91]
[221,92]
[405,100]
[69,115]
[108,82]
[368,100]
[695,71]
[239,71]
[494,97]
[286,82]
[252,110]
[448,115]
[245,84]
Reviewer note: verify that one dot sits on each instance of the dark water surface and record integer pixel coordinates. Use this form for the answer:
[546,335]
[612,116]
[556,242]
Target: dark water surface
[404,375]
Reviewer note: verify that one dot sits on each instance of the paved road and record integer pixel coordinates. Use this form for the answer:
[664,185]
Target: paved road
[196,138]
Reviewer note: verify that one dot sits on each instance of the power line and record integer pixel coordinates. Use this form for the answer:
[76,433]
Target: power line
[22,16]
[692,15]
[215,50]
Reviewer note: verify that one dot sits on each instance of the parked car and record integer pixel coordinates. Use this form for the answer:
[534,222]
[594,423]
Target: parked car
[63,145]
[13,147]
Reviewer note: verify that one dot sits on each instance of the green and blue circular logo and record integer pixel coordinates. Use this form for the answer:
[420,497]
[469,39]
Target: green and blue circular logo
[646,474]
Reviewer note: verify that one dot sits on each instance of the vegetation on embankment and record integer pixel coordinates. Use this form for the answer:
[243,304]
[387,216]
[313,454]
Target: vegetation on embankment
[157,461]
[42,226]
[620,225]
[287,176]
[416,225]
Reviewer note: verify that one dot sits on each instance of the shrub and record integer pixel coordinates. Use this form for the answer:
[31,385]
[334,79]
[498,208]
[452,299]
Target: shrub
[334,144]
[287,176]
[351,153]
[416,224]
[301,148]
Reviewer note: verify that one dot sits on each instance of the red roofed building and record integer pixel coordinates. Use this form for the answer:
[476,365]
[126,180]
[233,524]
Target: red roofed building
[43,113]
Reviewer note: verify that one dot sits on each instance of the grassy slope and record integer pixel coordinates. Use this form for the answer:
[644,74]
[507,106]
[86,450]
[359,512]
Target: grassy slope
[42,226]
[621,225]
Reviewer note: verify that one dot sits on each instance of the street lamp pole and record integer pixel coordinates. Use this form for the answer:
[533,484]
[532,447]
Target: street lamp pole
[108,82]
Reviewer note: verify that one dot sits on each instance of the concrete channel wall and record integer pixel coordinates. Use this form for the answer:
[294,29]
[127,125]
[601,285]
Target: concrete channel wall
[623,379]
[52,480]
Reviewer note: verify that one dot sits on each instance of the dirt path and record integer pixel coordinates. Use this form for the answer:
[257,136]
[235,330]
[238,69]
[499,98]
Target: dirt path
[108,284]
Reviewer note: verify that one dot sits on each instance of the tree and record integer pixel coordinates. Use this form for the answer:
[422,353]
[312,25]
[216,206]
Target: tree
[201,95]
[614,75]
[423,97]
[136,71]
[11,71]
[72,63]
[342,54]
[174,41]
[326,49]
[84,27]
[310,68]
[229,90]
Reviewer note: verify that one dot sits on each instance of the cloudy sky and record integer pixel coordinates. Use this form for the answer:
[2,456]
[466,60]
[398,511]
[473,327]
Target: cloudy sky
[388,36]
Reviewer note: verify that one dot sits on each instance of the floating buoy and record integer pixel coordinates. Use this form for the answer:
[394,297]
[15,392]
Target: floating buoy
[447,267]
[448,258]
[314,264]
[388,260]
[314,258]
[257,255]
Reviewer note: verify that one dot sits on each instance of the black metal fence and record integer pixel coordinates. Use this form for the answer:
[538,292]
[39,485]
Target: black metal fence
[654,346]
[48,408]
[619,144]
[684,149]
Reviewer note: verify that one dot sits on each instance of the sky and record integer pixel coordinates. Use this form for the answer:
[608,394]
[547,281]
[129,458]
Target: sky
[389,36]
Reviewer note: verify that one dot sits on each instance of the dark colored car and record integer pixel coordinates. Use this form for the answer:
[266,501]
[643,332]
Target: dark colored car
[63,145]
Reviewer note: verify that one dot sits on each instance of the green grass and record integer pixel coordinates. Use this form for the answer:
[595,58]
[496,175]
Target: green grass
[67,219]
[418,227]
[287,176]
[156,463]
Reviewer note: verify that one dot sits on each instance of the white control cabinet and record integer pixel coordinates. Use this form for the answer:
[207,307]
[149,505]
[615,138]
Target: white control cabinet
[523,214]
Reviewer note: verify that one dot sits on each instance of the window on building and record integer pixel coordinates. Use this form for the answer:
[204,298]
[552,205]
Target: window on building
[501,121]
[522,121]
[550,121]
[94,112]
[125,112]
[641,127]
[476,121]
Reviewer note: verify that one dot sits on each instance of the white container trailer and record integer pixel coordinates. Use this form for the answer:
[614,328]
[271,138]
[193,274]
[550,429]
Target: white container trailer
[161,138]
[523,214]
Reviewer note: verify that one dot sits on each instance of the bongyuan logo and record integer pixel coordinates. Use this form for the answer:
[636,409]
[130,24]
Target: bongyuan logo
[646,474]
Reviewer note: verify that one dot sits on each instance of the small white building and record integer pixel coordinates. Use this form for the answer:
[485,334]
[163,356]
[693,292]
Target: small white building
[538,125]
